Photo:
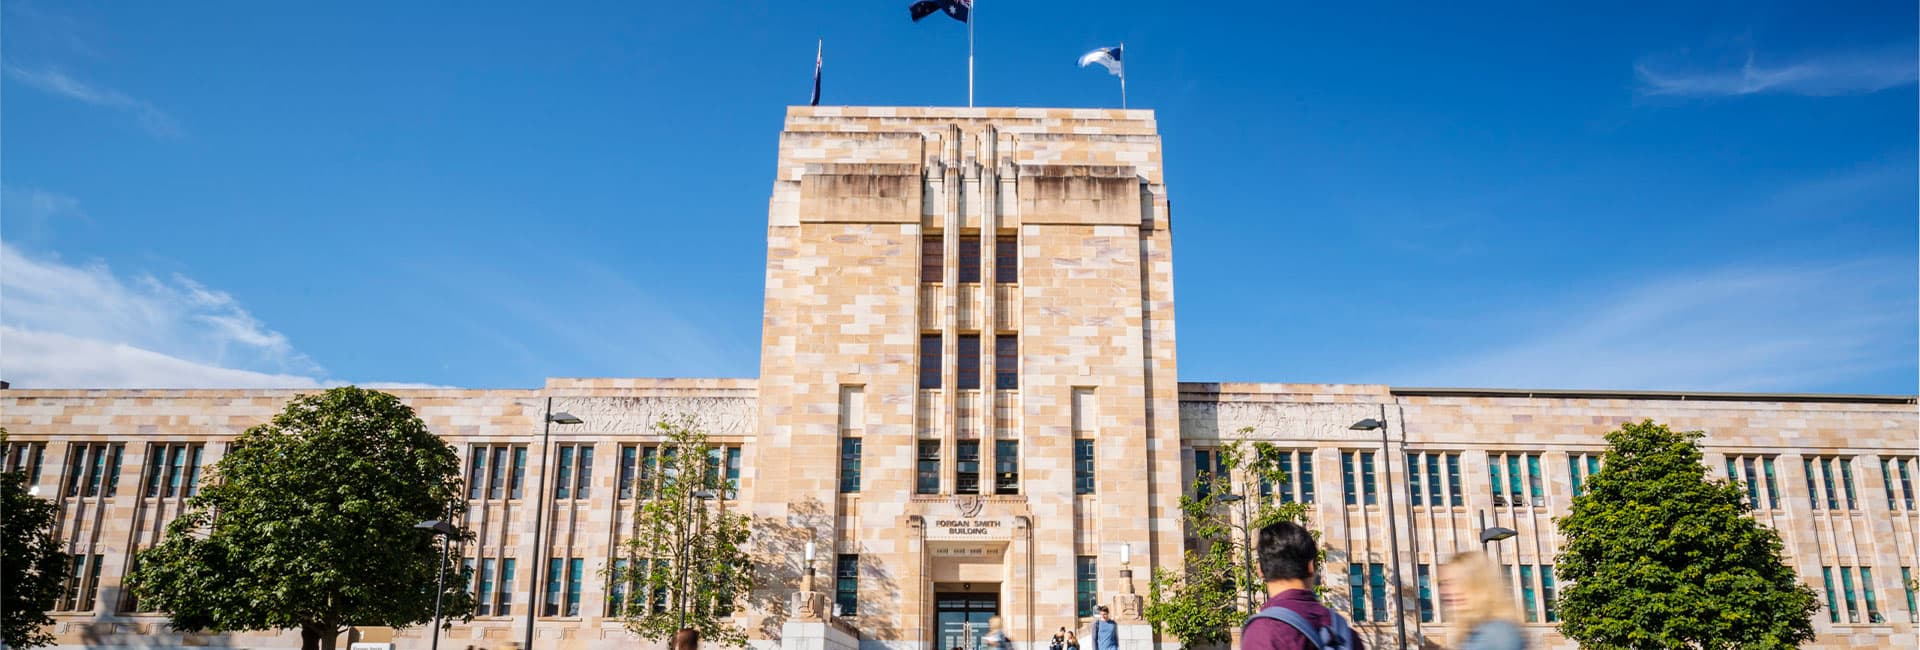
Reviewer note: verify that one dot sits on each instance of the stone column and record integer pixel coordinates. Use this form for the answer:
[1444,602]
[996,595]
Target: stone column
[1128,612]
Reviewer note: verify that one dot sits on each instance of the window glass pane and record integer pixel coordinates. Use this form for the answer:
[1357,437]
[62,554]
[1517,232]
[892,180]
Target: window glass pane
[1006,260]
[1286,477]
[1514,496]
[1536,487]
[1833,606]
[497,488]
[1526,593]
[846,580]
[551,607]
[1866,591]
[1086,586]
[967,467]
[927,479]
[649,460]
[574,567]
[968,360]
[1426,593]
[617,588]
[1306,476]
[1886,478]
[933,253]
[1006,362]
[1453,480]
[1846,586]
[1083,466]
[1493,478]
[1813,491]
[969,261]
[1846,481]
[629,461]
[1346,479]
[503,601]
[1413,485]
[929,361]
[1906,483]
[1377,584]
[113,470]
[849,464]
[174,470]
[519,471]
[483,601]
[563,483]
[1366,478]
[1573,473]
[1773,488]
[156,459]
[1906,584]
[1006,467]
[193,469]
[1547,594]
[1357,588]
[584,486]
[1826,477]
[1433,480]
[96,470]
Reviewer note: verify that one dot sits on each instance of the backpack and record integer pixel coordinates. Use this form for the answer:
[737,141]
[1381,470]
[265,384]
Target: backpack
[1336,635]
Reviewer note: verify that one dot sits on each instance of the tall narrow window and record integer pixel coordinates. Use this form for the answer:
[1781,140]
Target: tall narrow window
[1752,480]
[76,469]
[966,467]
[968,361]
[1846,481]
[1906,481]
[156,460]
[929,361]
[1414,491]
[1866,592]
[1526,594]
[113,470]
[1346,480]
[514,488]
[1514,496]
[1086,585]
[1006,362]
[933,254]
[1536,487]
[26,457]
[573,586]
[1833,604]
[1493,478]
[927,475]
[583,485]
[193,469]
[1547,595]
[849,465]
[1886,479]
[1369,496]
[497,486]
[617,588]
[629,462]
[1357,585]
[175,468]
[1433,480]
[563,483]
[93,585]
[1306,476]
[503,600]
[1377,585]
[1453,480]
[551,607]
[1573,473]
[1907,584]
[1206,466]
[1426,593]
[969,261]
[77,575]
[483,600]
[1813,489]
[1083,466]
[1773,487]
[649,462]
[1006,467]
[846,585]
[96,471]
[1006,260]
[1826,478]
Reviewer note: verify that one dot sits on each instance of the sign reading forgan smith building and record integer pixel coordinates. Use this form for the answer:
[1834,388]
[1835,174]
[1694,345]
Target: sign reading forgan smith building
[968,400]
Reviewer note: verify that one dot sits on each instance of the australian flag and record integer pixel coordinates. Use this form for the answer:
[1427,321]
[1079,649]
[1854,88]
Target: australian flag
[955,9]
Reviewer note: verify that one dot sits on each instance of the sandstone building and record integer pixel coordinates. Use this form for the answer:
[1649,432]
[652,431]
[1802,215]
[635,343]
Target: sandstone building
[968,397]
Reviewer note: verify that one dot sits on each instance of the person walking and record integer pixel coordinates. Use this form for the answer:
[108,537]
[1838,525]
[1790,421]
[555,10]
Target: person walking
[1106,633]
[1059,640]
[1479,605]
[1293,618]
[1073,641]
[996,639]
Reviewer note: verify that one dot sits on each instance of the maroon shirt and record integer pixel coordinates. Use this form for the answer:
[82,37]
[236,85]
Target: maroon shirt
[1269,634]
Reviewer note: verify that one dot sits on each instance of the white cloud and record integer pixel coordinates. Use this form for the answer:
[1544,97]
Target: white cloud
[1731,329]
[33,214]
[54,81]
[82,326]
[1848,73]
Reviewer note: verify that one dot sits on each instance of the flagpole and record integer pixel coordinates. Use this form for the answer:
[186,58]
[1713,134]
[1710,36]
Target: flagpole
[970,15]
[1123,75]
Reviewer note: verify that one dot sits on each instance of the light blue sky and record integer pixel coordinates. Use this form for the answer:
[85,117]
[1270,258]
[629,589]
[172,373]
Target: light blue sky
[1710,197]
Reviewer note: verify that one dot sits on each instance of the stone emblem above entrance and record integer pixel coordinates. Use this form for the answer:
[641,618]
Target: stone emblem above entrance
[969,505]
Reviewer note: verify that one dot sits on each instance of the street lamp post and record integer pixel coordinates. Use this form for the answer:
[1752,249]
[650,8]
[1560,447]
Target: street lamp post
[446,532]
[539,514]
[1494,534]
[1393,522]
[1246,539]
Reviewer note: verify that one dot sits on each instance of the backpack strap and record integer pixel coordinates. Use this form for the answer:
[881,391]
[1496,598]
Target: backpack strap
[1339,633]
[1293,619]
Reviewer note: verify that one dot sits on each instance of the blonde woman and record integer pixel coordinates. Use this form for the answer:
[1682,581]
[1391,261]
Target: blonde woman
[1480,605]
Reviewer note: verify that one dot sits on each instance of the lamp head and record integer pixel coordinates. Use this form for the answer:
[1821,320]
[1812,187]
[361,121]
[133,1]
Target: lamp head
[1368,424]
[564,417]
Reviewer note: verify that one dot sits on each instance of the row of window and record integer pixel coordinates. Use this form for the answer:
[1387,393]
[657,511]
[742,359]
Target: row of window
[573,475]
[933,254]
[93,469]
[82,585]
[1826,465]
[1537,595]
[1006,362]
[493,586]
[966,468]
[1847,574]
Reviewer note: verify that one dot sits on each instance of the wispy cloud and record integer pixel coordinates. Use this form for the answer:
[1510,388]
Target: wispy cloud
[32,214]
[83,326]
[57,82]
[1844,73]
[1733,328]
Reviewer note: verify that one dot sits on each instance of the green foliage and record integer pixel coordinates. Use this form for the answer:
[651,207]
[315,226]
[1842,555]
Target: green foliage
[309,523]
[1218,584]
[1660,556]
[33,568]
[687,553]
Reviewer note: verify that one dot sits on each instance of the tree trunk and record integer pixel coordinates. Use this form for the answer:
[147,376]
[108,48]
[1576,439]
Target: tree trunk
[332,637]
[310,635]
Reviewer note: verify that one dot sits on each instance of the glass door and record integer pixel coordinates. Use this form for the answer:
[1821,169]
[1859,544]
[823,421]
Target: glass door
[961,619]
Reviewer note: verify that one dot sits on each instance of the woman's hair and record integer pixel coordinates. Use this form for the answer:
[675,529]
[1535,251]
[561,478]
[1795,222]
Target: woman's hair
[1483,592]
[686,639]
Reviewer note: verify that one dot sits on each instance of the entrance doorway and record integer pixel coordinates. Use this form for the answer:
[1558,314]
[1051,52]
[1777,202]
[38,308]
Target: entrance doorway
[961,618]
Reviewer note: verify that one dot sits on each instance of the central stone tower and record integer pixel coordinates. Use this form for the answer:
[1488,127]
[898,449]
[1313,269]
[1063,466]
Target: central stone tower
[967,384]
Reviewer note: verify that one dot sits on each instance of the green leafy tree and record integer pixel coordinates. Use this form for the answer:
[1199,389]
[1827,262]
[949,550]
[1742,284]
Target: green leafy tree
[686,564]
[1660,556]
[309,523]
[1218,584]
[32,567]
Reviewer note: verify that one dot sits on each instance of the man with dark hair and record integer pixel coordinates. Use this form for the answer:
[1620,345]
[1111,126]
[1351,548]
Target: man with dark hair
[685,639]
[1292,618]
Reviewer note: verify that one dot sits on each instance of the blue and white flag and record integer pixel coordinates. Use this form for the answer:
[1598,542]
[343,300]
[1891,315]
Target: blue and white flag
[1106,56]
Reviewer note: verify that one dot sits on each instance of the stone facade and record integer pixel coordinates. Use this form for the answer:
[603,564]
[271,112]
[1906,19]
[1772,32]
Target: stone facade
[994,287]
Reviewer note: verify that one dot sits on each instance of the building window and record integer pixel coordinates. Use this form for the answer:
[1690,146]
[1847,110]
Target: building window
[1083,466]
[1580,469]
[551,606]
[732,488]
[1426,592]
[1846,481]
[1547,595]
[1833,604]
[649,463]
[83,584]
[966,467]
[1846,587]
[94,468]
[1006,260]
[1367,495]
[618,586]
[933,254]
[629,463]
[1773,485]
[927,478]
[1429,464]
[1906,584]
[849,465]
[1526,594]
[516,486]
[563,480]
[1357,590]
[1746,470]
[1827,477]
[1086,585]
[1900,491]
[1294,488]
[27,457]
[968,377]
[1866,592]
[173,469]
[483,597]
[969,261]
[1006,467]
[490,478]
[846,585]
[1377,586]
[574,567]
[1515,494]
[929,361]
[503,599]
[1006,362]
[1207,465]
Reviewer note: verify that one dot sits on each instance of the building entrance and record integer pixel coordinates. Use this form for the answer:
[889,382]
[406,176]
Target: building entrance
[961,618]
